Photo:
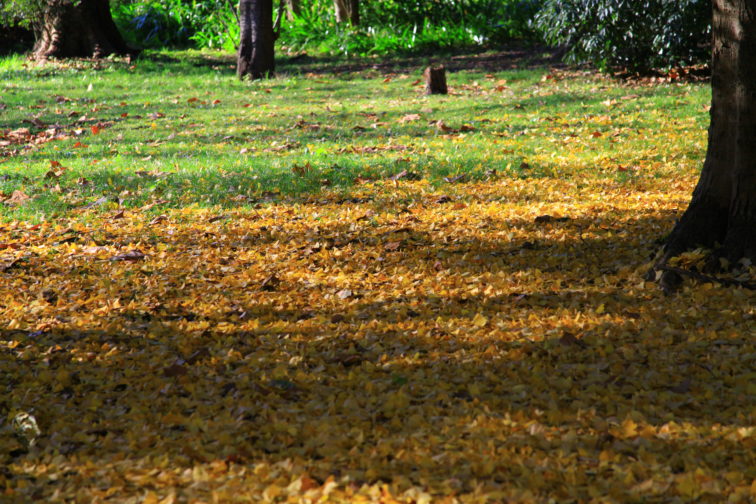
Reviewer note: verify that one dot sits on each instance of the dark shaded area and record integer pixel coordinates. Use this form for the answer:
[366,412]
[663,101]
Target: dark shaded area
[270,388]
[722,211]
[15,39]
[517,55]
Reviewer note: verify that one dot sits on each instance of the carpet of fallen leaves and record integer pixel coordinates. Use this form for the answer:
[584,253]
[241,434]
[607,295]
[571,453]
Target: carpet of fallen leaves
[494,341]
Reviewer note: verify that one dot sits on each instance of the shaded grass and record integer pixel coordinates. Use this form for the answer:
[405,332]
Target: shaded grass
[178,128]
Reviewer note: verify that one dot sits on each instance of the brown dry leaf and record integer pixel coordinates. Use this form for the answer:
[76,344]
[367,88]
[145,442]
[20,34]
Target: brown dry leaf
[18,197]
[344,294]
[409,118]
[456,178]
[441,126]
[301,170]
[158,219]
[131,255]
[270,283]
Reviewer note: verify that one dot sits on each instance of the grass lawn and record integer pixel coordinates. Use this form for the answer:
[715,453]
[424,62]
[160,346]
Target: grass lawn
[330,286]
[183,131]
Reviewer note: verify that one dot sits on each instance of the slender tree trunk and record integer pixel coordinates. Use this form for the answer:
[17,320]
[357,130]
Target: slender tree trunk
[83,29]
[354,12]
[722,211]
[256,56]
[347,11]
[295,8]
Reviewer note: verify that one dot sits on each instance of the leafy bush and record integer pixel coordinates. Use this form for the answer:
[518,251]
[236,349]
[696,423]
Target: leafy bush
[22,13]
[387,26]
[403,25]
[204,23]
[635,34]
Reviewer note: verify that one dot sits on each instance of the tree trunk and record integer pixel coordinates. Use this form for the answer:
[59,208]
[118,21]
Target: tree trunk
[79,30]
[347,11]
[256,56]
[722,211]
[294,9]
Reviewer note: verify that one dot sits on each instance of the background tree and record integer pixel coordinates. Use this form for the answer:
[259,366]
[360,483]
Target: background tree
[70,28]
[256,56]
[347,11]
[722,211]
[294,8]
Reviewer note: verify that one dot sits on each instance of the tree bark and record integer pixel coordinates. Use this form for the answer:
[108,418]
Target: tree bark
[347,11]
[294,10]
[722,212]
[435,80]
[256,57]
[79,30]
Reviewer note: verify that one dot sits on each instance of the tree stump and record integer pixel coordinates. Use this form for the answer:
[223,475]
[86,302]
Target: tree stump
[435,80]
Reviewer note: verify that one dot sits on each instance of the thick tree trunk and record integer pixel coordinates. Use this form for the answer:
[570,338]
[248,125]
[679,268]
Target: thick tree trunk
[85,28]
[722,211]
[347,11]
[256,56]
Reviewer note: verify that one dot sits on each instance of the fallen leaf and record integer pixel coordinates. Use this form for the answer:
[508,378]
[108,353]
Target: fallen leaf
[410,118]
[344,294]
[131,255]
[270,283]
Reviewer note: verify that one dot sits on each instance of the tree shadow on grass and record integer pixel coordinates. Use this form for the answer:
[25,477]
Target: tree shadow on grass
[389,383]
[516,56]
[429,411]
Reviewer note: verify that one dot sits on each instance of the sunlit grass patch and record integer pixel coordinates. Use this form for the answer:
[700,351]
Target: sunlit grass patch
[180,129]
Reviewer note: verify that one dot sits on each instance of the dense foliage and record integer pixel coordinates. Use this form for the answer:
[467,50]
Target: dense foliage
[402,25]
[178,23]
[387,26]
[633,34]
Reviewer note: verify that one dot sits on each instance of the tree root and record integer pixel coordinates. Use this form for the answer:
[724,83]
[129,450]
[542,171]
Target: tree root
[667,282]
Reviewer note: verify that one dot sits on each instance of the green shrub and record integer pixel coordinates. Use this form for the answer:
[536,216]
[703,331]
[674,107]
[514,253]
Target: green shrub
[391,26]
[387,26]
[177,23]
[634,34]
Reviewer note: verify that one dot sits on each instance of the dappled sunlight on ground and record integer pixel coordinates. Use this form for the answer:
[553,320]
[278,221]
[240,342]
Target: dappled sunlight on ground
[407,341]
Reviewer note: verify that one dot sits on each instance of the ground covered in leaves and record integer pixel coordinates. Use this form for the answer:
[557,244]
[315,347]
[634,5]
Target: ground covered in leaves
[484,338]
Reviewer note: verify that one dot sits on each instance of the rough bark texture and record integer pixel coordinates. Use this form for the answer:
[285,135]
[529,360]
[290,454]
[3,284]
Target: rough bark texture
[79,30]
[722,211]
[347,11]
[435,80]
[256,47]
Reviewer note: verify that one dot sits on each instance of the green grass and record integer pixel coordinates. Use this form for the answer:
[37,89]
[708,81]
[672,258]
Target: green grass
[318,127]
